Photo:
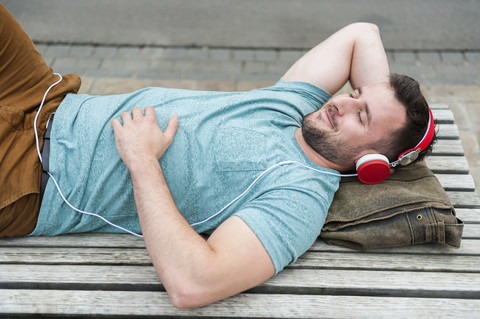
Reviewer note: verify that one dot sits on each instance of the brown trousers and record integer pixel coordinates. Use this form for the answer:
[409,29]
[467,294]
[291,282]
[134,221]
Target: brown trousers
[24,78]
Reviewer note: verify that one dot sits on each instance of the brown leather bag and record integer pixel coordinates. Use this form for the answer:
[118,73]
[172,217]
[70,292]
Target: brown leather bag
[409,208]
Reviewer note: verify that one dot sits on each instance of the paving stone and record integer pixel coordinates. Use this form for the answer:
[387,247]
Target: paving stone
[278,68]
[174,53]
[405,57]
[452,57]
[446,69]
[42,48]
[86,63]
[290,55]
[128,52]
[473,57]
[58,50]
[81,50]
[105,51]
[252,85]
[197,53]
[152,52]
[184,66]
[207,66]
[243,55]
[400,68]
[65,62]
[390,57]
[429,57]
[255,67]
[160,65]
[113,73]
[266,55]
[231,67]
[469,70]
[220,54]
[124,64]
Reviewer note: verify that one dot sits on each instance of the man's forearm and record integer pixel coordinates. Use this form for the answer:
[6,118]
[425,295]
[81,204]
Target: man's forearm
[178,253]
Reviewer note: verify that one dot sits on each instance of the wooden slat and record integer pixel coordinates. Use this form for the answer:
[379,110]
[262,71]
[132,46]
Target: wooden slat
[471,231]
[469,247]
[98,240]
[447,131]
[444,116]
[73,256]
[438,106]
[311,281]
[448,164]
[469,215]
[456,182]
[386,261]
[464,199]
[448,148]
[147,304]
[392,283]
[21,262]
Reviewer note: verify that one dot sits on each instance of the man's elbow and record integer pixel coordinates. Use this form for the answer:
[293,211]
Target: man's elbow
[187,297]
[363,27]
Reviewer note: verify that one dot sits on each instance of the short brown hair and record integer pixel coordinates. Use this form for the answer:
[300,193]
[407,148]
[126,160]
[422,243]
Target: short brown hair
[407,91]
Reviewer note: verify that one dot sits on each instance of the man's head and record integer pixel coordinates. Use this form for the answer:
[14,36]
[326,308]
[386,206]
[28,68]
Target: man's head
[386,118]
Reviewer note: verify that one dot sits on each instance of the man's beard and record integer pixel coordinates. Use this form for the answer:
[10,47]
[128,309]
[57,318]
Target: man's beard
[327,143]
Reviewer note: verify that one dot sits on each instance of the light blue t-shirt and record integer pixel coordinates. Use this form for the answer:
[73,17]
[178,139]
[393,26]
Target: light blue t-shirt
[225,140]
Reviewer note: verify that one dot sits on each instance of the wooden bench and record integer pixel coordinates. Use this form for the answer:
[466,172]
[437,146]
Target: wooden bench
[111,275]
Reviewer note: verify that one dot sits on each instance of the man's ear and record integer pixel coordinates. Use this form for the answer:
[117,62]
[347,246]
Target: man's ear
[363,153]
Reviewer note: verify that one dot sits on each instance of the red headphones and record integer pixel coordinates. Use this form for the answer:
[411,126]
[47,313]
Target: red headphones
[375,168]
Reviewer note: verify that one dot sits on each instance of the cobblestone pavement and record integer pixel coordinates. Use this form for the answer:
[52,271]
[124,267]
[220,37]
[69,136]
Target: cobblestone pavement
[447,77]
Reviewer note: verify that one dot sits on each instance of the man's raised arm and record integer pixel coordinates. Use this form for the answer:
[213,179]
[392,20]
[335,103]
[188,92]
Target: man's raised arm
[354,53]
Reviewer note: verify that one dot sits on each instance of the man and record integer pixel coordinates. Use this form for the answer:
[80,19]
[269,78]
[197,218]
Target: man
[255,170]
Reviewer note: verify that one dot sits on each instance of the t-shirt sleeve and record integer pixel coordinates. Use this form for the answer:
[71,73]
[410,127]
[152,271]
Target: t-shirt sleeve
[311,92]
[287,222]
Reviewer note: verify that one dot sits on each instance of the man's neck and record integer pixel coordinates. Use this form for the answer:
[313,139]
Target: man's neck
[312,155]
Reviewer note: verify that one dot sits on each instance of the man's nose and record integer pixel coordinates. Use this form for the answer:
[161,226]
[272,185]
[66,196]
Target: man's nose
[347,106]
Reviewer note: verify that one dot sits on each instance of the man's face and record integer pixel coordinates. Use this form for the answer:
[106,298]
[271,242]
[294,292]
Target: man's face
[348,125]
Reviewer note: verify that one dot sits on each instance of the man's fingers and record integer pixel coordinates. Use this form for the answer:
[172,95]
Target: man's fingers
[150,112]
[171,129]
[137,113]
[125,117]
[116,124]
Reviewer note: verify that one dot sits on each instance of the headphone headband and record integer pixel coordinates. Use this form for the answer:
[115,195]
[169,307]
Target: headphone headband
[410,155]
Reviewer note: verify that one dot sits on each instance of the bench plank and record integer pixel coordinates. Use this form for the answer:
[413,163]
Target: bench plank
[456,182]
[448,148]
[147,303]
[444,116]
[290,280]
[448,164]
[28,257]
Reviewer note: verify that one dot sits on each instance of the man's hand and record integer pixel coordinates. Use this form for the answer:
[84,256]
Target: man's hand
[140,138]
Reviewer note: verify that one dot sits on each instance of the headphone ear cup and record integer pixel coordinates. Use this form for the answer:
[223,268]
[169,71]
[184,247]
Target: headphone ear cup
[373,168]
